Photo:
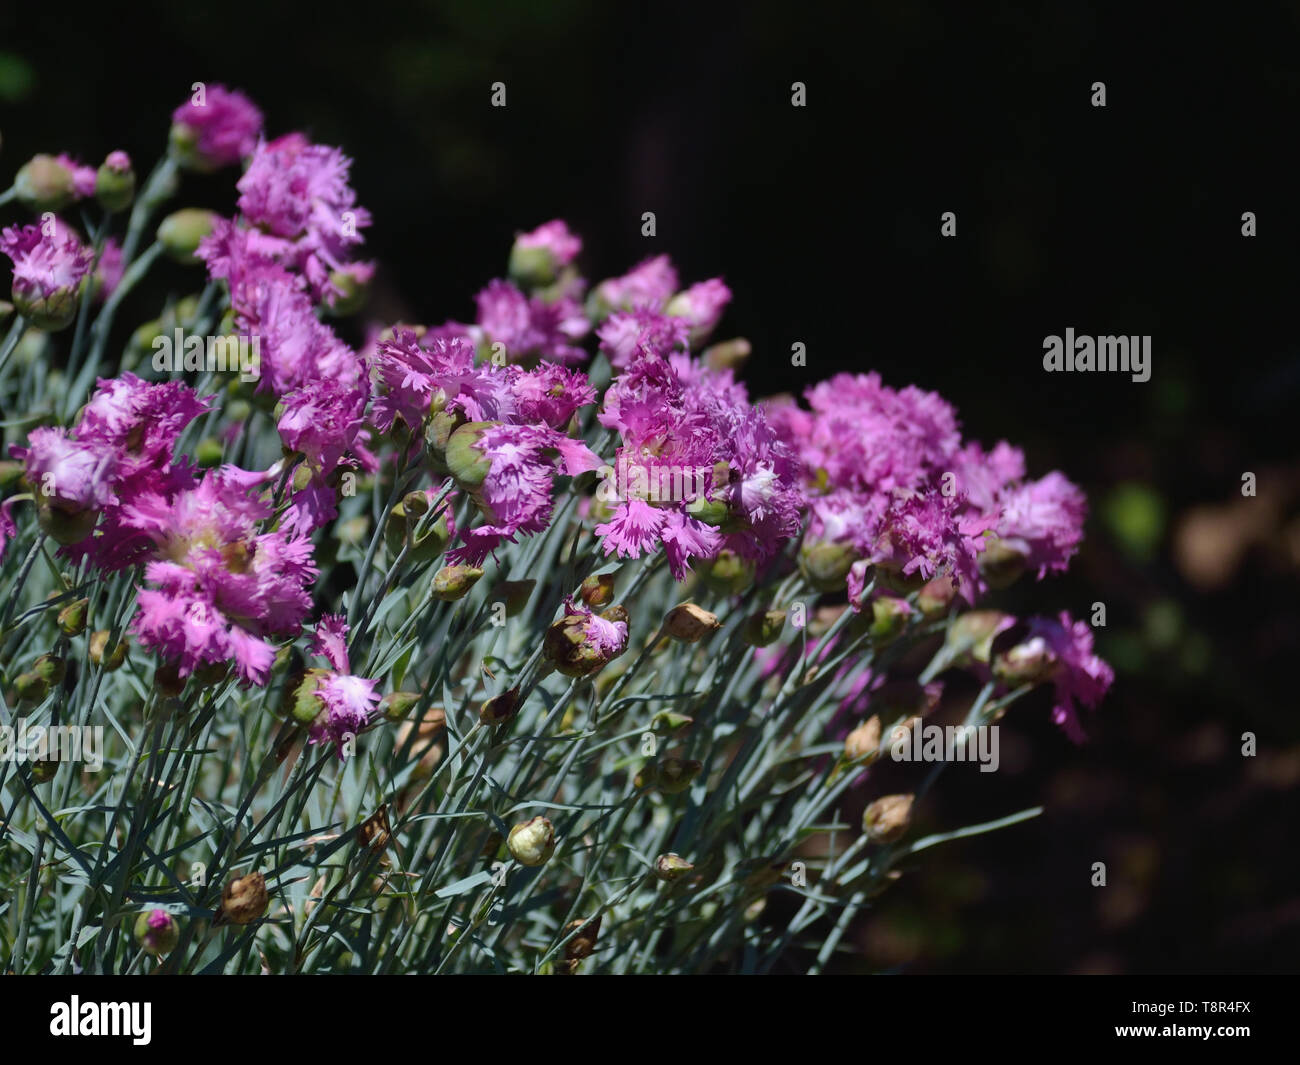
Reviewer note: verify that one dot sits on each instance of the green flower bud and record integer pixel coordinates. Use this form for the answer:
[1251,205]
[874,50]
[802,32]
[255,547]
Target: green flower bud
[307,705]
[114,187]
[1030,662]
[71,620]
[671,775]
[888,818]
[11,473]
[670,721]
[532,842]
[454,582]
[31,688]
[44,184]
[167,680]
[1000,564]
[972,633]
[157,932]
[209,452]
[531,267]
[52,312]
[52,668]
[826,565]
[464,460]
[669,867]
[728,573]
[889,619]
[936,597]
[101,654]
[712,512]
[500,708]
[353,293]
[689,623]
[397,704]
[728,355]
[180,233]
[764,628]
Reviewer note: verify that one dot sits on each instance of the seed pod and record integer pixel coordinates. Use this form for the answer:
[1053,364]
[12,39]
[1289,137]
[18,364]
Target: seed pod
[863,741]
[690,623]
[888,818]
[243,900]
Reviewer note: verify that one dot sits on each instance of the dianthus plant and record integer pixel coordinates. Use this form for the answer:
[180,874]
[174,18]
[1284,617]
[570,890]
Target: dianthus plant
[525,644]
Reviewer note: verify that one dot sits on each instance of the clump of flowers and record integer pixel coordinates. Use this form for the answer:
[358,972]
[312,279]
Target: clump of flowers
[613,601]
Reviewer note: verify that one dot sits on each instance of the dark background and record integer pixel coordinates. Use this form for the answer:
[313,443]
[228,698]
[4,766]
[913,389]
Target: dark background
[825,222]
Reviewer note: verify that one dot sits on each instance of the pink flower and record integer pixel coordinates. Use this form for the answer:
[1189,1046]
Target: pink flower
[45,266]
[218,130]
[218,586]
[532,327]
[1079,673]
[625,335]
[648,284]
[553,237]
[515,495]
[83,177]
[347,701]
[701,305]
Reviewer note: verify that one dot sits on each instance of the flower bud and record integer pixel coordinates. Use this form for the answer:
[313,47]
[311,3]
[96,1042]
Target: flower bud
[465,461]
[352,289]
[674,775]
[397,704]
[764,628]
[106,657]
[863,741]
[710,511]
[597,590]
[669,867]
[936,597]
[402,523]
[31,688]
[167,680]
[826,565]
[438,431]
[180,233]
[888,819]
[115,183]
[532,842]
[210,452]
[44,184]
[64,525]
[1030,662]
[728,573]
[889,618]
[454,582]
[727,355]
[500,708]
[972,633]
[531,267]
[581,643]
[243,900]
[690,623]
[157,932]
[71,620]
[1000,564]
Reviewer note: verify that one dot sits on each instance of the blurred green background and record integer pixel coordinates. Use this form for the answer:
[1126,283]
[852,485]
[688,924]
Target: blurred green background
[825,222]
